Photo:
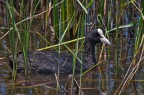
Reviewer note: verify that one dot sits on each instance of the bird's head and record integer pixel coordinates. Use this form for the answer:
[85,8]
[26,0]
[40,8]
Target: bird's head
[96,36]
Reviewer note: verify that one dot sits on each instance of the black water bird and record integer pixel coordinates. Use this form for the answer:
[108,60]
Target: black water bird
[47,61]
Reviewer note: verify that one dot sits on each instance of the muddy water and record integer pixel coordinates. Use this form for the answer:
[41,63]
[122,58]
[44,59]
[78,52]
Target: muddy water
[103,80]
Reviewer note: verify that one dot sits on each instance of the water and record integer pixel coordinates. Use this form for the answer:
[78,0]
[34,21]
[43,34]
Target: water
[103,80]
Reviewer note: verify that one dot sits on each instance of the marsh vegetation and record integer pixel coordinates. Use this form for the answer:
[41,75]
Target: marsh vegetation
[60,25]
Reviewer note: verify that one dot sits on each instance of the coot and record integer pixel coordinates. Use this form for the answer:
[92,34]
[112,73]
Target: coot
[46,62]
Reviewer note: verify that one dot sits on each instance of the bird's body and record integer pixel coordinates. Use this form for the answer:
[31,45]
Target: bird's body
[51,61]
[47,62]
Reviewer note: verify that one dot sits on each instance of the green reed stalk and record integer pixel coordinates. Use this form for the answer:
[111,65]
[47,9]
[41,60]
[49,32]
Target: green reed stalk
[63,16]
[82,31]
[25,35]
[13,40]
[74,62]
[139,34]
[55,16]
[117,40]
[59,48]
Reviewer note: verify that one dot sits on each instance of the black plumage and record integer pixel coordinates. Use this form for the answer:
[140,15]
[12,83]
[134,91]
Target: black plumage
[47,61]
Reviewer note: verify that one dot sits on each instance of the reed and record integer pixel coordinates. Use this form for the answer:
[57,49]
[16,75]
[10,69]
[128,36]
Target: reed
[12,34]
[138,55]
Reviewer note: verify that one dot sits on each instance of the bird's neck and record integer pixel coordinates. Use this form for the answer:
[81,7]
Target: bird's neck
[90,59]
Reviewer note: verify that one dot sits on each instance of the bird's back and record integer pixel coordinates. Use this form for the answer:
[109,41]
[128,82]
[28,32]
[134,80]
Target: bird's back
[47,62]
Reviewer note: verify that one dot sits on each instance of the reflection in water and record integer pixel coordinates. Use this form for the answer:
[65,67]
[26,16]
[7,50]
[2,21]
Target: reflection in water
[3,89]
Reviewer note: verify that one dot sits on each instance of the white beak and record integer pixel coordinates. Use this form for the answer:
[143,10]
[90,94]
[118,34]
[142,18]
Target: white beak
[103,38]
